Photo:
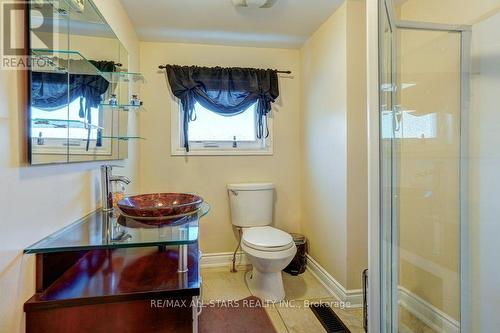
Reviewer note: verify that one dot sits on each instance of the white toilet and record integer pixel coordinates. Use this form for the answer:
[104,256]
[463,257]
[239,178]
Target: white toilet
[269,249]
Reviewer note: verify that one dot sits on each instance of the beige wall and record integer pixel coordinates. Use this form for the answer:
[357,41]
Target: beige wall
[357,146]
[91,47]
[324,139]
[334,169]
[36,201]
[448,11]
[484,176]
[208,175]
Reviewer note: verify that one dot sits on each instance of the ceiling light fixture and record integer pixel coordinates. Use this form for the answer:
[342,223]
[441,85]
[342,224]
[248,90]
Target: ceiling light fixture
[254,3]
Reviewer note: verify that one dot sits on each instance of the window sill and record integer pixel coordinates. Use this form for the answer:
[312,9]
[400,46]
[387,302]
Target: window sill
[220,152]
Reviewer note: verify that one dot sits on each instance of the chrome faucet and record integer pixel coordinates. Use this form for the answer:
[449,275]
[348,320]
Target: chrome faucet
[107,179]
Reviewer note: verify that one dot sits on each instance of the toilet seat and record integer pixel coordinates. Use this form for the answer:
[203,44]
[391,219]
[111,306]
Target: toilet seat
[267,239]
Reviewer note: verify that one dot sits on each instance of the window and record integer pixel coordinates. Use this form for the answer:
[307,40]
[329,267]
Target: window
[210,126]
[213,134]
[418,126]
[63,113]
[408,125]
[55,130]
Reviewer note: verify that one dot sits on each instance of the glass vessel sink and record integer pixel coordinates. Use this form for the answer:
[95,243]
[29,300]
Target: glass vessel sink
[159,208]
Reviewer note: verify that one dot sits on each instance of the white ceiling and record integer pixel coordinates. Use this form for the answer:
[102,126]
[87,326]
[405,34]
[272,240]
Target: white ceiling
[286,25]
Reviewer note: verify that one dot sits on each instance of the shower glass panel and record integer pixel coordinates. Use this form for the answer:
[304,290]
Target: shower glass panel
[427,129]
[440,162]
[421,107]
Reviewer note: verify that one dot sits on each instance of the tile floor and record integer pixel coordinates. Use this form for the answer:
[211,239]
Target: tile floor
[289,317]
[409,323]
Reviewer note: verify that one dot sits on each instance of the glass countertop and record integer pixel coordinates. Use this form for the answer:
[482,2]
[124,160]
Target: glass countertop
[102,230]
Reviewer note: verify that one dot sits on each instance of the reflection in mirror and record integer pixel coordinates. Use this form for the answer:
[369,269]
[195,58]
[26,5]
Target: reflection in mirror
[75,110]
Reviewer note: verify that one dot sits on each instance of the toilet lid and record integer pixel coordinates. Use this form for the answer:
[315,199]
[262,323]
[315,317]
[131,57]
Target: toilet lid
[267,239]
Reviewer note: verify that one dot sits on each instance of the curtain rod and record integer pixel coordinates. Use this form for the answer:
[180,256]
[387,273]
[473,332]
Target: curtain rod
[277,71]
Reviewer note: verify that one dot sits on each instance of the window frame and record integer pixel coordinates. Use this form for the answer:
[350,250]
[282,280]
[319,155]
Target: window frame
[215,148]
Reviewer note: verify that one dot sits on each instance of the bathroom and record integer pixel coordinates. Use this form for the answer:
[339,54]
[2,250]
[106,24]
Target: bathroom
[340,161]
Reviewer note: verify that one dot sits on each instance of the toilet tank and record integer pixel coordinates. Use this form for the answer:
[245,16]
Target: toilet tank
[251,204]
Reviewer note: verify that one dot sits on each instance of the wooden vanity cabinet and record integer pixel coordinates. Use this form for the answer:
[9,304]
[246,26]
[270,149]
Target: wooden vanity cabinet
[114,290]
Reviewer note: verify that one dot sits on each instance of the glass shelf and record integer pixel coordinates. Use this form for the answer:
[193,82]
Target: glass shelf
[73,62]
[117,77]
[124,107]
[62,123]
[124,138]
[93,232]
[60,61]
[46,64]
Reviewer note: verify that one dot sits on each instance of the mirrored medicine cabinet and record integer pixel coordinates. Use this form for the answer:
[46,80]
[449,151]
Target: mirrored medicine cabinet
[81,92]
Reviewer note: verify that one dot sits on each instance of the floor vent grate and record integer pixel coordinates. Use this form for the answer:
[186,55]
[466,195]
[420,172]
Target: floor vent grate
[328,318]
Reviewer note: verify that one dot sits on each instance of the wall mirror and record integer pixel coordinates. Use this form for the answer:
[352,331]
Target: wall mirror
[80,90]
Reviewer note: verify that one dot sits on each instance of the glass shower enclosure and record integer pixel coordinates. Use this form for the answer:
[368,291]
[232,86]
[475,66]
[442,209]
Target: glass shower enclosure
[424,80]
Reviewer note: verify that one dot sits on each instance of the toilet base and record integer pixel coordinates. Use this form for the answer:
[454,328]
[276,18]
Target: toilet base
[266,286]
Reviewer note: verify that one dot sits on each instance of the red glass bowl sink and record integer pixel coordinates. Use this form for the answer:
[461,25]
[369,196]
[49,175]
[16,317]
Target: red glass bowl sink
[159,206]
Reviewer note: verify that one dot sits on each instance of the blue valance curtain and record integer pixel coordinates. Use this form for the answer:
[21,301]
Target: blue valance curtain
[225,91]
[52,91]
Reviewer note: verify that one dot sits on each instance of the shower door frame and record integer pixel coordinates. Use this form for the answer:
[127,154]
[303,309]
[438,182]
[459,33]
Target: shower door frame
[375,306]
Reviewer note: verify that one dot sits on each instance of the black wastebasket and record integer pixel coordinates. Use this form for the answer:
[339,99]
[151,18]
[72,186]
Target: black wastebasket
[299,262]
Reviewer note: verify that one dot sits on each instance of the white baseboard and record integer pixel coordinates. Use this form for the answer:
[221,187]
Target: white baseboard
[427,313]
[222,259]
[353,296]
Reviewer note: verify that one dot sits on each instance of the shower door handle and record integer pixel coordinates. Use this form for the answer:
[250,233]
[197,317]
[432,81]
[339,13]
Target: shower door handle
[365,300]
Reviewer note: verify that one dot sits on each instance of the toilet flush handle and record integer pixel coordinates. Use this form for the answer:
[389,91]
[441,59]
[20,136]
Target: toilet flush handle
[234,192]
